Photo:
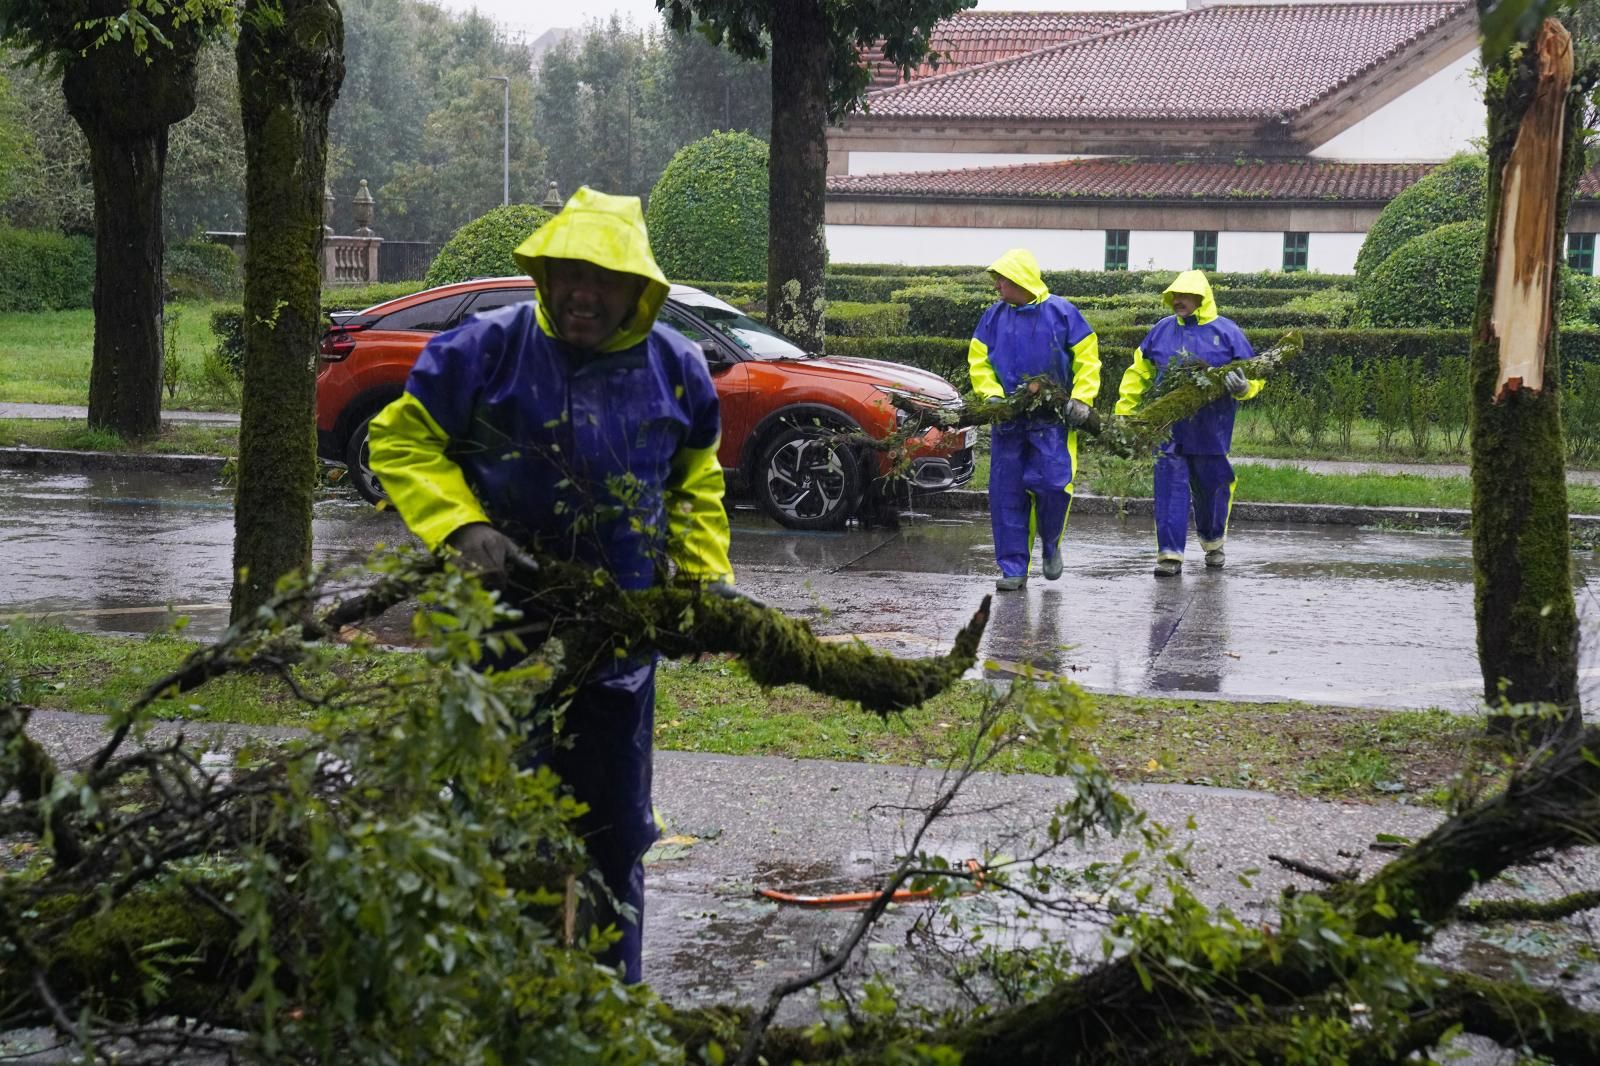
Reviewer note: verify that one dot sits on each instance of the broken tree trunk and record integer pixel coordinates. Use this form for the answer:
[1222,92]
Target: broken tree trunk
[1526,617]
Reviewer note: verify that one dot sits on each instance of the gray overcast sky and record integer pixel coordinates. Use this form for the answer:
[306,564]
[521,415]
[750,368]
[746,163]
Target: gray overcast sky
[539,15]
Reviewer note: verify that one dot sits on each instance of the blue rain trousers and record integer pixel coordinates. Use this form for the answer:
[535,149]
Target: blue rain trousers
[1207,480]
[1030,477]
[604,758]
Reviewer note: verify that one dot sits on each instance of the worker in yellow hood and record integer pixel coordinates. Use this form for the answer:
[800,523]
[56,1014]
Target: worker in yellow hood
[574,426]
[1193,461]
[1027,333]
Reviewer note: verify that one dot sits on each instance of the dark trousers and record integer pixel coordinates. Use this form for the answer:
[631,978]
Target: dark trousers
[1206,479]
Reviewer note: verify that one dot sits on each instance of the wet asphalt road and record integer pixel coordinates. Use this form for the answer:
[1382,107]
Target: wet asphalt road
[1328,614]
[1380,618]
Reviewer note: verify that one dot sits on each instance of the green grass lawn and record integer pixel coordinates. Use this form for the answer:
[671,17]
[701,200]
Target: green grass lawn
[45,358]
[711,706]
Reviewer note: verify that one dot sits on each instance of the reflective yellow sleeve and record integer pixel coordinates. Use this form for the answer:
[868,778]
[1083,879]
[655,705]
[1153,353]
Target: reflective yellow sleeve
[697,524]
[981,372]
[428,489]
[1135,380]
[1086,369]
[1256,385]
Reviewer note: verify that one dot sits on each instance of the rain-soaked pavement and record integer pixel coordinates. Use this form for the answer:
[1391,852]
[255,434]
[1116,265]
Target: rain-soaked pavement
[1332,614]
[1344,615]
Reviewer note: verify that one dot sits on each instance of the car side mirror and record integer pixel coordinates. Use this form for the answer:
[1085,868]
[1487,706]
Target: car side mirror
[714,354]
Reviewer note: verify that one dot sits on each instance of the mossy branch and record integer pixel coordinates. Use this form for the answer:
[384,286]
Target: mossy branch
[1183,391]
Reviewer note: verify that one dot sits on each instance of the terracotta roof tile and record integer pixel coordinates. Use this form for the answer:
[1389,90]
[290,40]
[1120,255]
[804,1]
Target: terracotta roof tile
[973,37]
[1143,179]
[1248,61]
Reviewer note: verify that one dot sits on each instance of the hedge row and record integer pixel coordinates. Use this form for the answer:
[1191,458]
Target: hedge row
[200,270]
[947,356]
[42,271]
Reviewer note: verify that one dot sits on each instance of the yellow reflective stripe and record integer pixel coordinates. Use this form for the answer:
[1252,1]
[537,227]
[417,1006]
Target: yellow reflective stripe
[1256,385]
[1135,380]
[981,372]
[697,523]
[1086,369]
[428,489]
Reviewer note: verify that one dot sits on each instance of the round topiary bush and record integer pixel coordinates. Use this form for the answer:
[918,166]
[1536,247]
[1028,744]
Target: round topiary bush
[482,248]
[1452,192]
[1431,280]
[708,213]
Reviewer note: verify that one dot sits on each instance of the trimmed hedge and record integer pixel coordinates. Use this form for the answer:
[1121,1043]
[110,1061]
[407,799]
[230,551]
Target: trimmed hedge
[847,319]
[1454,191]
[708,213]
[202,270]
[43,271]
[948,310]
[1430,280]
[482,248]
[947,356]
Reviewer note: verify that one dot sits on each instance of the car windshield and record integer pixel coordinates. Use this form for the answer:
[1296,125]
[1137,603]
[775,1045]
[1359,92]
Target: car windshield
[740,328]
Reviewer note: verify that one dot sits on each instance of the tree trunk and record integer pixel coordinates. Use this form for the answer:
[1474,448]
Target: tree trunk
[124,105]
[1526,618]
[290,69]
[797,252]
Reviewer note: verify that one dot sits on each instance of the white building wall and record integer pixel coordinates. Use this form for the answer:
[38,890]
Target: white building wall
[1064,249]
[1243,252]
[1332,253]
[1056,249]
[1434,121]
[900,162]
[1160,249]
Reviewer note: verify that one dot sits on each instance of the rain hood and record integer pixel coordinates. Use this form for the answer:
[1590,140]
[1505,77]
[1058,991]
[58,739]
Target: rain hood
[1193,283]
[1019,266]
[609,232]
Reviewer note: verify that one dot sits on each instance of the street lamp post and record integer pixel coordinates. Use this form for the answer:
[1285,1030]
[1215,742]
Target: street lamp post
[505,138]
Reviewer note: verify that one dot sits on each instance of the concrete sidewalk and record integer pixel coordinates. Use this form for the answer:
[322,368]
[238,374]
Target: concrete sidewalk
[71,411]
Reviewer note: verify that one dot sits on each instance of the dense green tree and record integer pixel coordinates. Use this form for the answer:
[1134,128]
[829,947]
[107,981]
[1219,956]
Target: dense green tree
[692,88]
[817,74]
[205,165]
[51,187]
[291,62]
[128,69]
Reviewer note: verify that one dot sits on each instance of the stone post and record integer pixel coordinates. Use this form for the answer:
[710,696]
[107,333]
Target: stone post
[552,200]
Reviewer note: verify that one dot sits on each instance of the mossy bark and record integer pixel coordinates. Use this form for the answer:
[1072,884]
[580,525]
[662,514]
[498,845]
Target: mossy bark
[797,251]
[1526,617]
[125,103]
[291,64]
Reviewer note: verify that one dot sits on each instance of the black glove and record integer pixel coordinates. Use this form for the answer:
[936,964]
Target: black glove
[489,553]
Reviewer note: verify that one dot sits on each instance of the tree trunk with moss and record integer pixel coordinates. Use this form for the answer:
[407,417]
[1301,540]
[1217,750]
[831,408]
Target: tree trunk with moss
[124,102]
[291,64]
[797,252]
[1526,618]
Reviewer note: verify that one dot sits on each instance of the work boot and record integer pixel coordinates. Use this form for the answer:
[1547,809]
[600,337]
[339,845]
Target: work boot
[1169,567]
[1215,560]
[1052,566]
[1010,584]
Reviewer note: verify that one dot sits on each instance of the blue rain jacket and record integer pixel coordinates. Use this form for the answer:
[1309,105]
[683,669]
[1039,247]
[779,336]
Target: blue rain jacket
[1204,337]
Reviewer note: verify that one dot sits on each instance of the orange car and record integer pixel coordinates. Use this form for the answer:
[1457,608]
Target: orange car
[774,398]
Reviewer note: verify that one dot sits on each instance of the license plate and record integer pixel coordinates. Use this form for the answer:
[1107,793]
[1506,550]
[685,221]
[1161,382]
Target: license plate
[969,437]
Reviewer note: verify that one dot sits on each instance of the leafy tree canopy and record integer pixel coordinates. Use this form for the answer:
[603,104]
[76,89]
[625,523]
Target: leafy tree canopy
[901,29]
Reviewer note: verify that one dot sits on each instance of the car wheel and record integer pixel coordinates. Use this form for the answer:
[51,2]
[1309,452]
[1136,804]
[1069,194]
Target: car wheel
[357,459]
[806,482]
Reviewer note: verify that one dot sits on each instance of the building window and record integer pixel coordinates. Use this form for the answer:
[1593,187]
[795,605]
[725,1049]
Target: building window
[1116,249]
[1580,252]
[1205,249]
[1296,249]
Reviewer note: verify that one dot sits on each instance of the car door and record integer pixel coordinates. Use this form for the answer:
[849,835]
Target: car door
[728,373]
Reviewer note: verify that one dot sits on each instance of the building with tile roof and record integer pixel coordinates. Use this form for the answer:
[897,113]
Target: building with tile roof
[1239,136]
